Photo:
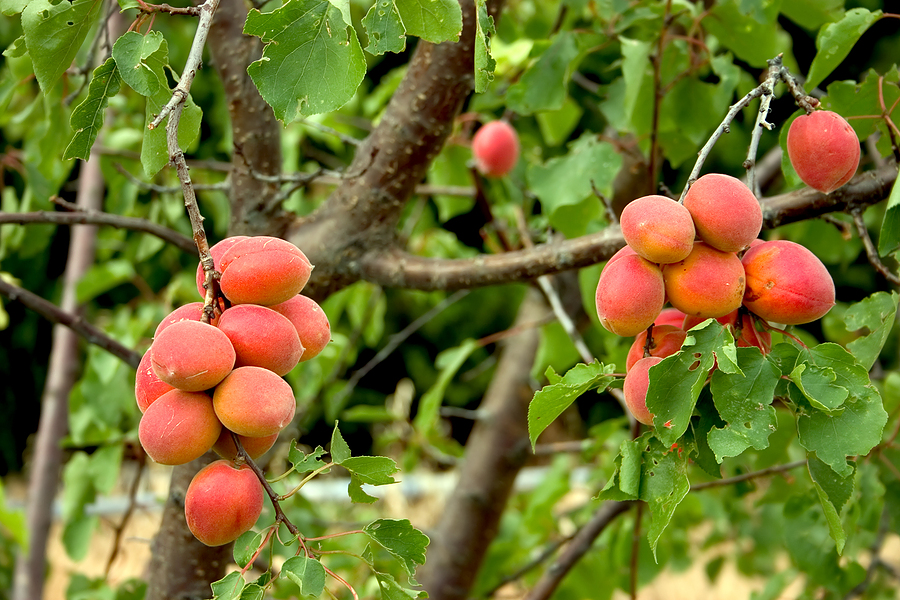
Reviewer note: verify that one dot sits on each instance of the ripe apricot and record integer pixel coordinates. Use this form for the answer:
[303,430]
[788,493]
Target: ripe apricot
[222,502]
[786,283]
[630,295]
[667,340]
[310,321]
[255,402]
[147,386]
[216,251]
[637,381]
[823,149]
[178,427]
[255,446]
[191,355]
[726,213]
[670,316]
[261,337]
[495,147]
[708,283]
[658,229]
[192,311]
[263,270]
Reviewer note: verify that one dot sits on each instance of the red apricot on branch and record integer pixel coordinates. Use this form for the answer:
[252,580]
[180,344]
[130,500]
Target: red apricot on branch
[823,149]
[222,502]
[496,148]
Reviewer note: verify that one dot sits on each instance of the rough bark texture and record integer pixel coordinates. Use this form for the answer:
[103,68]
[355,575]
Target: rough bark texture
[496,450]
[182,567]
[61,376]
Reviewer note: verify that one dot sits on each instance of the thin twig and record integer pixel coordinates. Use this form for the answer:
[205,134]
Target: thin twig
[222,186]
[746,476]
[132,503]
[871,251]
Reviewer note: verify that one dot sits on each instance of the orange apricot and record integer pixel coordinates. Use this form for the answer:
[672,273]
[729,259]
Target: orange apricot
[630,295]
[666,341]
[786,283]
[178,427]
[726,213]
[216,251]
[222,501]
[670,316]
[192,356]
[192,311]
[263,270]
[658,229]
[637,382]
[310,321]
[261,337]
[255,402]
[823,149]
[708,283]
[147,386]
[495,147]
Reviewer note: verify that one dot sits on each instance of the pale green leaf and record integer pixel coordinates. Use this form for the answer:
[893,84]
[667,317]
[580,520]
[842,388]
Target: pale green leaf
[449,362]
[401,539]
[229,587]
[87,118]
[889,238]
[874,315]
[835,41]
[484,62]
[543,85]
[340,451]
[307,573]
[54,32]
[141,60]
[833,491]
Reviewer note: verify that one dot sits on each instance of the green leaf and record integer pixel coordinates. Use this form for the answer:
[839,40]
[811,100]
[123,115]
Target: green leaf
[304,463]
[103,277]
[434,21]
[818,386]
[833,491]
[853,432]
[245,547]
[664,484]
[675,383]
[312,62]
[835,41]
[141,60]
[543,85]
[751,40]
[307,573]
[550,401]
[54,32]
[635,69]
[889,238]
[374,470]
[449,362]
[484,62]
[229,587]
[875,314]
[391,590]
[155,149]
[17,48]
[401,539]
[87,118]
[860,102]
[384,28]
[77,534]
[12,7]
[812,14]
[744,401]
[340,451]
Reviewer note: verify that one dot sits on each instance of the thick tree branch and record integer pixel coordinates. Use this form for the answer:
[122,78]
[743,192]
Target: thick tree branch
[396,268]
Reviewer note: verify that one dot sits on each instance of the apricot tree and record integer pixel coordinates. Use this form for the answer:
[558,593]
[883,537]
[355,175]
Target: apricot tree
[459,290]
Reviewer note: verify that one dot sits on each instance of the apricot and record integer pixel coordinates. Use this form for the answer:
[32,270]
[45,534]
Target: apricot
[310,321]
[823,149]
[630,295]
[786,283]
[222,501]
[147,386]
[192,356]
[726,214]
[178,427]
[261,337]
[667,340]
[637,381]
[255,402]
[263,270]
[670,316]
[216,251]
[708,283]
[658,229]
[255,446]
[495,147]
[192,311]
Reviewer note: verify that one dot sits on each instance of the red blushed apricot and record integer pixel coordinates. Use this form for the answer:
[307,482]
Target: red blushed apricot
[630,295]
[255,446]
[261,337]
[495,147]
[708,283]
[824,150]
[255,402]
[222,502]
[192,356]
[670,316]
[192,311]
[216,251]
[786,283]
[667,340]
[637,381]
[147,386]
[179,427]
[726,213]
[310,321]
[263,270]
[658,229]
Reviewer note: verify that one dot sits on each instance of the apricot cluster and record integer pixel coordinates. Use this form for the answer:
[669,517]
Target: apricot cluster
[703,257]
[200,382]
